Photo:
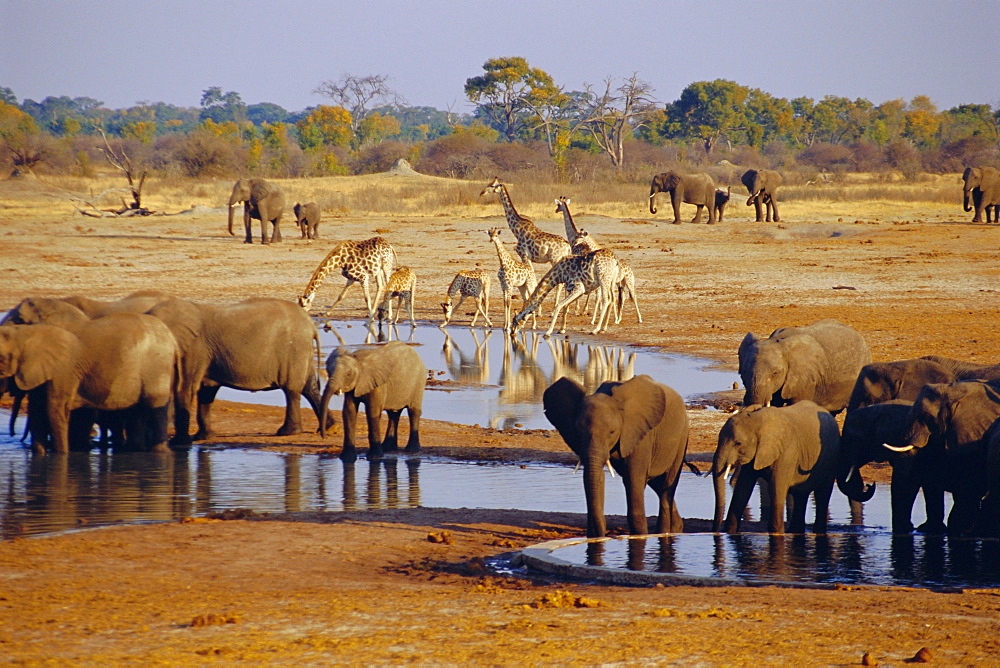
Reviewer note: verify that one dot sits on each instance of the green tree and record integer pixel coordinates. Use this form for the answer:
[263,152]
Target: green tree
[510,93]
[709,111]
[375,128]
[360,95]
[325,126]
[7,96]
[223,107]
[21,141]
[973,120]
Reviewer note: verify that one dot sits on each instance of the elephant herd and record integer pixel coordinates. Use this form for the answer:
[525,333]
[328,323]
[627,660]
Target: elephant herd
[125,365]
[980,193]
[936,421]
[265,202]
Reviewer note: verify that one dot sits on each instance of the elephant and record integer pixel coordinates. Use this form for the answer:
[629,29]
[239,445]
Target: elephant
[865,431]
[953,421]
[124,361]
[307,217]
[966,370]
[387,378]
[261,201]
[640,428]
[721,200]
[879,382]
[819,362]
[985,180]
[697,188]
[137,302]
[43,310]
[794,448]
[763,188]
[257,344]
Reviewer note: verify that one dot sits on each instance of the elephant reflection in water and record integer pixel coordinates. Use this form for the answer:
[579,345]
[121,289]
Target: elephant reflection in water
[374,498]
[466,369]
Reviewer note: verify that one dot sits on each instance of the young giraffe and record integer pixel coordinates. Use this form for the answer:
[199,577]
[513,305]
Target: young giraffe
[581,274]
[626,284]
[366,262]
[401,286]
[513,274]
[468,283]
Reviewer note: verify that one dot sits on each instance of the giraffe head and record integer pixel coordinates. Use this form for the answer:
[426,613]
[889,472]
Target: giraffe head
[562,204]
[493,187]
[494,233]
[305,301]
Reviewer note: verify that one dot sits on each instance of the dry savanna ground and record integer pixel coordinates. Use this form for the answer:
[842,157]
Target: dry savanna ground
[895,260]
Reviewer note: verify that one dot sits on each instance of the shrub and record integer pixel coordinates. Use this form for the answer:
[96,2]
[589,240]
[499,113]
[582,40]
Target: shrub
[833,157]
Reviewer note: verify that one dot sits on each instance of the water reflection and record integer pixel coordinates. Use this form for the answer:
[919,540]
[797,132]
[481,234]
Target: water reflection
[500,379]
[870,558]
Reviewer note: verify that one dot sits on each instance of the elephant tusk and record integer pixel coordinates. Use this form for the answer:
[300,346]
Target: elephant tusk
[905,448]
[577,467]
[610,470]
[850,474]
[729,469]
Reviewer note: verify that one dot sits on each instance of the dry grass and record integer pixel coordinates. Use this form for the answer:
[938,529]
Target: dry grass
[419,195]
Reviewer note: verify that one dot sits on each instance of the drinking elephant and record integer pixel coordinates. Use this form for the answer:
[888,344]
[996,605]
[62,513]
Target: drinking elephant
[257,344]
[697,188]
[982,189]
[261,201]
[122,362]
[819,362]
[952,420]
[879,382]
[966,370]
[137,302]
[640,428]
[43,310]
[794,448]
[307,217]
[763,188]
[865,431]
[387,378]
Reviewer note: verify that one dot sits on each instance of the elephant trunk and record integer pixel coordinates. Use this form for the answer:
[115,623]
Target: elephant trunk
[15,409]
[593,487]
[966,206]
[231,204]
[752,197]
[853,487]
[652,201]
[719,480]
[324,407]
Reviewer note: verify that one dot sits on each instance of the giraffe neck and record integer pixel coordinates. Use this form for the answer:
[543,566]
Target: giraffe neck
[571,232]
[333,260]
[506,259]
[518,224]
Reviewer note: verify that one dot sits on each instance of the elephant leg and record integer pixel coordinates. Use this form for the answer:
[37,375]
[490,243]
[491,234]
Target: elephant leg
[247,224]
[821,498]
[697,214]
[184,400]
[293,413]
[745,482]
[675,203]
[635,490]
[777,491]
[206,397]
[58,418]
[391,441]
[276,230]
[314,396]
[349,415]
[373,415]
[902,495]
[157,436]
[668,519]
[413,442]
[772,205]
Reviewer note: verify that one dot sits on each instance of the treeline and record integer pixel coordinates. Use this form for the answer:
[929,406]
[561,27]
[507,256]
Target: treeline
[523,121]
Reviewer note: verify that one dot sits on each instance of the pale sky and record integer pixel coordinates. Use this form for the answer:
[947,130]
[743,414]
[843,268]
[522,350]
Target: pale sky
[122,52]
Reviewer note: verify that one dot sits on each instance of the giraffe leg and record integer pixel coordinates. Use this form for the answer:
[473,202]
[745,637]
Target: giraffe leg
[350,282]
[482,306]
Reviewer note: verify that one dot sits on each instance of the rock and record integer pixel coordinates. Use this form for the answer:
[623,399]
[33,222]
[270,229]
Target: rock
[869,660]
[923,655]
[402,167]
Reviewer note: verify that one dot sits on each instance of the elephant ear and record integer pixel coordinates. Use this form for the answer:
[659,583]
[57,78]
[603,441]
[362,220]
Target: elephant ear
[375,366]
[805,369]
[643,404]
[44,352]
[562,401]
[969,418]
[772,434]
[744,353]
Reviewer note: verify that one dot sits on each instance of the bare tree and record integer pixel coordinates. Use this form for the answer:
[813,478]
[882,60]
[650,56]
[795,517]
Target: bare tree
[617,112]
[136,176]
[360,95]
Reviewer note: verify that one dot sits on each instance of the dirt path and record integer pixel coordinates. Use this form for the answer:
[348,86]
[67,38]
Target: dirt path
[370,587]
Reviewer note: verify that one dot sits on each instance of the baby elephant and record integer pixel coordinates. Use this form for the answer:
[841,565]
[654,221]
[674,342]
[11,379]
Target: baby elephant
[793,448]
[307,218]
[390,377]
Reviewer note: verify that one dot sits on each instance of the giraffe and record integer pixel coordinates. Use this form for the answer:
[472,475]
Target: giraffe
[366,262]
[468,283]
[513,274]
[401,286]
[581,274]
[580,240]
